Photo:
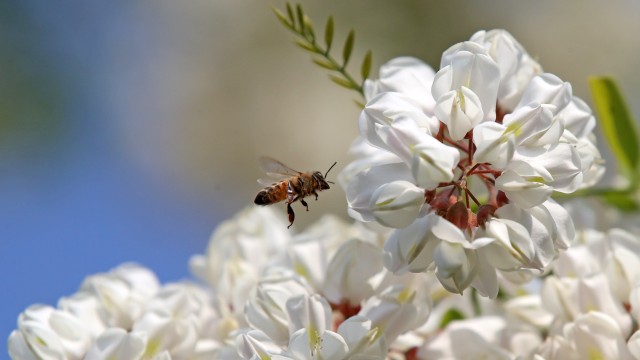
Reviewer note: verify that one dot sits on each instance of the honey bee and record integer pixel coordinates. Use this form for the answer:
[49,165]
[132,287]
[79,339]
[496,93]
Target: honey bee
[296,186]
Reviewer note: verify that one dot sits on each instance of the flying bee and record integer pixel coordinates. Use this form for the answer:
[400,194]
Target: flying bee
[296,186]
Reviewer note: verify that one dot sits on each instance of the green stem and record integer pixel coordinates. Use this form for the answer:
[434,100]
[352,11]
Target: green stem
[359,87]
[598,192]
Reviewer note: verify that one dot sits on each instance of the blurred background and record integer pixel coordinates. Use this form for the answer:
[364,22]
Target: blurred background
[130,129]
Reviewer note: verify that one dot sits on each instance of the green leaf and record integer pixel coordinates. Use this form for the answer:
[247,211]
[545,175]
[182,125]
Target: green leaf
[449,316]
[326,64]
[282,17]
[365,69]
[617,123]
[308,29]
[359,104]
[328,33]
[306,45]
[343,82]
[348,48]
[300,17]
[292,18]
[623,201]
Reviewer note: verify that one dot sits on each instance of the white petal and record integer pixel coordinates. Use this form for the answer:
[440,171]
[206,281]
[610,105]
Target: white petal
[634,345]
[486,281]
[433,162]
[326,345]
[578,118]
[529,125]
[521,192]
[493,145]
[409,76]
[309,312]
[18,347]
[364,184]
[116,343]
[383,110]
[411,248]
[547,89]
[353,269]
[254,343]
[397,203]
[596,335]
[594,294]
[460,110]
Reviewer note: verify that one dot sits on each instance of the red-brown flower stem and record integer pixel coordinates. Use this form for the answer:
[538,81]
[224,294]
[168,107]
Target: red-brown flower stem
[455,144]
[443,184]
[440,135]
[470,171]
[469,193]
[466,198]
[495,173]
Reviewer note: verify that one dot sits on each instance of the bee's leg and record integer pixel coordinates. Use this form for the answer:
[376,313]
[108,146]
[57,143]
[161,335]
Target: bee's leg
[304,203]
[316,194]
[292,215]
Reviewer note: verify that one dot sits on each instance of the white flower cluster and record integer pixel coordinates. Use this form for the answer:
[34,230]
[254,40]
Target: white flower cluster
[123,314]
[588,309]
[461,163]
[321,294]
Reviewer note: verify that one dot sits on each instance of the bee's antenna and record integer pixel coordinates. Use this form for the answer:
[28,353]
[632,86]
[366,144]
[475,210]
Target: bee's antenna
[327,173]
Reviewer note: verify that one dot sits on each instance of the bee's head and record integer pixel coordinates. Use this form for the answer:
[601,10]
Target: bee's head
[322,182]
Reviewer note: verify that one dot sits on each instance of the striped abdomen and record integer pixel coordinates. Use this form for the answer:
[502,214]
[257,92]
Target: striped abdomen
[273,194]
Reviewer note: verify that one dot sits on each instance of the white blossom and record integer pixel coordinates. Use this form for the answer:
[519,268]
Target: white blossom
[500,137]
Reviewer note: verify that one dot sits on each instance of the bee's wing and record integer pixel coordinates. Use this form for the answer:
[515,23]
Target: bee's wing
[267,181]
[275,168]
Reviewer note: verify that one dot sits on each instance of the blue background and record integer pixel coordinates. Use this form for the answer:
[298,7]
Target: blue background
[72,202]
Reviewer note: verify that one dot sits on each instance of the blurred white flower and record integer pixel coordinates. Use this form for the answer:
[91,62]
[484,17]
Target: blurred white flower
[124,314]
[480,337]
[267,309]
[117,343]
[120,294]
[481,146]
[47,333]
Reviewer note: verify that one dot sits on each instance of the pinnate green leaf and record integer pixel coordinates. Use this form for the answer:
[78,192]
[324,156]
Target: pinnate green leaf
[348,48]
[308,28]
[328,33]
[326,64]
[365,69]
[300,17]
[292,18]
[306,45]
[343,82]
[282,17]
